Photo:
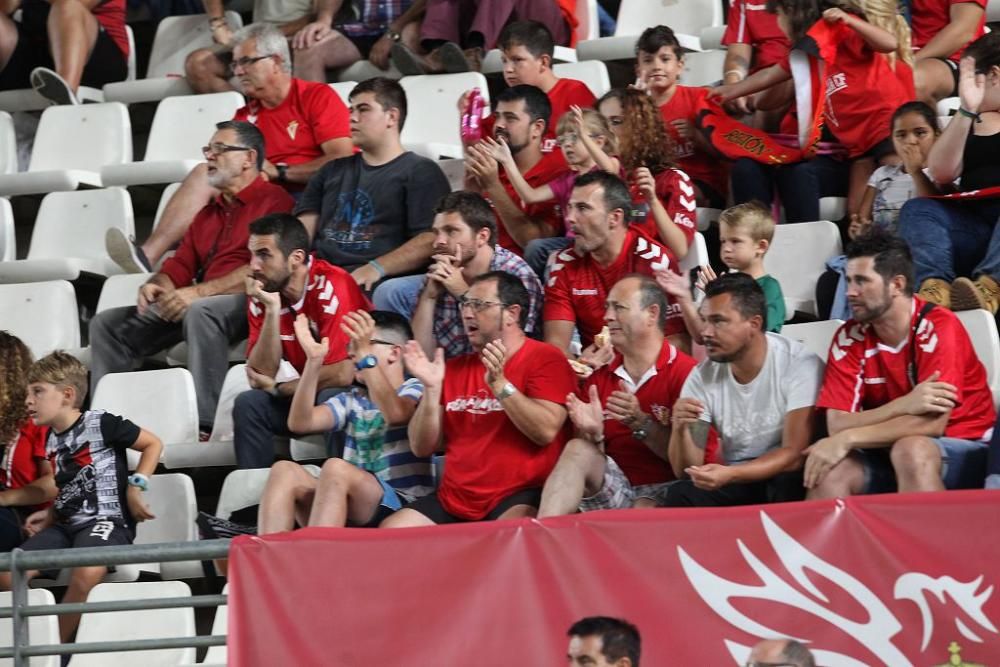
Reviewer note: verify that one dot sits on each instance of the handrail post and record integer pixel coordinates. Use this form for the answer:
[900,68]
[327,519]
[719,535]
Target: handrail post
[20,598]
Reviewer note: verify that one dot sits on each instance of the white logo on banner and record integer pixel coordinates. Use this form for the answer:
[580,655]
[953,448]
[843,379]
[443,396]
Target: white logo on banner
[876,634]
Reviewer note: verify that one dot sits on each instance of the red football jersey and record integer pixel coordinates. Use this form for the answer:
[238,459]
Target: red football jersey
[563,95]
[110,14]
[330,293]
[676,193]
[578,286]
[657,392]
[488,458]
[20,458]
[547,169]
[697,164]
[862,373]
[751,23]
[311,115]
[929,17]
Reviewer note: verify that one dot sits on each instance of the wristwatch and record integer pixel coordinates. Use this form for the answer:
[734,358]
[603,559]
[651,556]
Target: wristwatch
[507,391]
[366,362]
[282,168]
[641,432]
[139,480]
[393,35]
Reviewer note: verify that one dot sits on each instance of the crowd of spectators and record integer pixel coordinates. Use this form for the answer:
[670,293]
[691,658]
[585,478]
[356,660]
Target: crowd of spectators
[535,327]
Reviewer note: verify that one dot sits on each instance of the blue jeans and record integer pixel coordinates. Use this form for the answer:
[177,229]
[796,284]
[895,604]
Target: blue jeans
[963,465]
[399,295]
[951,239]
[799,185]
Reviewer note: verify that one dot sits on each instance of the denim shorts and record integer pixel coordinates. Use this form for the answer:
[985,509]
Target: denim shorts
[963,465]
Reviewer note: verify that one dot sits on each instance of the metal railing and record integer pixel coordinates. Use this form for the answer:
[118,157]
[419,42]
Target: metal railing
[18,562]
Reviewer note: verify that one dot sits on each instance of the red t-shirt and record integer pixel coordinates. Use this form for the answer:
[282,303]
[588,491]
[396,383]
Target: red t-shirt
[311,115]
[656,394]
[862,373]
[488,458]
[563,95]
[550,167]
[751,23]
[216,241]
[111,15]
[699,165]
[20,459]
[330,293]
[676,193]
[929,17]
[578,286]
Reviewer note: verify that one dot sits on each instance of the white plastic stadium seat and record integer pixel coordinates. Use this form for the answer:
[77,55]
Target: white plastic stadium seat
[594,73]
[43,315]
[308,447]
[711,37]
[68,237]
[706,216]
[8,239]
[364,70]
[948,106]
[176,37]
[589,25]
[797,258]
[133,625]
[41,629]
[218,451]
[116,292]
[816,336]
[241,488]
[703,68]
[982,328]
[687,18]
[181,126]
[8,144]
[72,144]
[832,208]
[171,499]
[437,93]
[343,89]
[217,655]
[697,254]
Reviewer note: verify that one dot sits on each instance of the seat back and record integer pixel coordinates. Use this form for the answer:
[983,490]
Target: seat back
[797,258]
[134,625]
[183,124]
[437,93]
[8,239]
[697,254]
[161,401]
[41,629]
[73,224]
[84,136]
[43,315]
[120,290]
[343,89]
[684,16]
[594,73]
[8,144]
[982,328]
[217,655]
[703,68]
[589,25]
[172,501]
[178,36]
[168,192]
[236,383]
[816,336]
[241,488]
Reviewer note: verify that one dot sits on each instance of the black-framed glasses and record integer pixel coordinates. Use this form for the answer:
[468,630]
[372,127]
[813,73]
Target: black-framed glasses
[246,61]
[377,341]
[220,148]
[478,305]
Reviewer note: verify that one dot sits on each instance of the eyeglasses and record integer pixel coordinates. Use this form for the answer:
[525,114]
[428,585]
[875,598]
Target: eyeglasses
[478,305]
[219,149]
[376,341]
[246,61]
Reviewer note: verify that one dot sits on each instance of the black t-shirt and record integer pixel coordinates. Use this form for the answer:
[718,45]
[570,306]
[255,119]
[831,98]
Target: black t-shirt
[91,469]
[366,211]
[980,164]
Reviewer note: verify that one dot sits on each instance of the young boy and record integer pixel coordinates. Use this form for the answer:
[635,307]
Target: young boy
[745,232]
[98,503]
[379,473]
[659,62]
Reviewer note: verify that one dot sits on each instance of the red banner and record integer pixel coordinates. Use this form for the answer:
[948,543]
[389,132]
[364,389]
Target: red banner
[880,580]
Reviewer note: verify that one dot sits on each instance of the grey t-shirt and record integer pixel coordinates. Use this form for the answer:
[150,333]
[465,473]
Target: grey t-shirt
[365,211]
[750,417]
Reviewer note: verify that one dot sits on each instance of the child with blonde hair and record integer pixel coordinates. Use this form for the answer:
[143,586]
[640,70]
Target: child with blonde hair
[745,233]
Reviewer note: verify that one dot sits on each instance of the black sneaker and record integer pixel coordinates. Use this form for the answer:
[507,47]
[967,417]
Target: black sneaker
[406,61]
[52,87]
[125,253]
[453,58]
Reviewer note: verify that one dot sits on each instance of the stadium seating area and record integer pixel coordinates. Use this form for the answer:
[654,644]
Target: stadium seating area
[93,167]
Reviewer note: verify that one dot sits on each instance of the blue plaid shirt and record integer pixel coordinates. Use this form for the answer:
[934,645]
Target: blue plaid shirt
[373,17]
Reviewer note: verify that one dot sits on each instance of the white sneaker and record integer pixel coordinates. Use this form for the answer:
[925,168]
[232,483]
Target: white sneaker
[51,86]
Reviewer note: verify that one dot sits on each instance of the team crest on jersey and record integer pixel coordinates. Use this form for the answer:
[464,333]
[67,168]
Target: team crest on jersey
[835,82]
[480,404]
[293,128]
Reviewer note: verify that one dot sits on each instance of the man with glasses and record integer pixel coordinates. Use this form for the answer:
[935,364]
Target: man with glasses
[304,124]
[286,283]
[499,413]
[781,653]
[198,294]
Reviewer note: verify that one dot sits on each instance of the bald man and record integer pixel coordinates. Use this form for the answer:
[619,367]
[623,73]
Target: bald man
[785,652]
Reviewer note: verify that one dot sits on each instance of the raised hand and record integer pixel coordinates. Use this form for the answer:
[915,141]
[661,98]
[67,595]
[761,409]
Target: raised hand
[971,86]
[494,355]
[623,406]
[587,416]
[677,285]
[359,327]
[255,290]
[430,372]
[643,179]
[706,274]
[304,335]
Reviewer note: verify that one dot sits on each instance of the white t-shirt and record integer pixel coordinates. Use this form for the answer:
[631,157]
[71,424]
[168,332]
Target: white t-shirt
[750,417]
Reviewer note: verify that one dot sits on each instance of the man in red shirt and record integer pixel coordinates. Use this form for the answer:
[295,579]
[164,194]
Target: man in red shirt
[305,125]
[198,296]
[605,250]
[60,44]
[659,62]
[619,455]
[522,114]
[499,413]
[286,283]
[941,29]
[907,401]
